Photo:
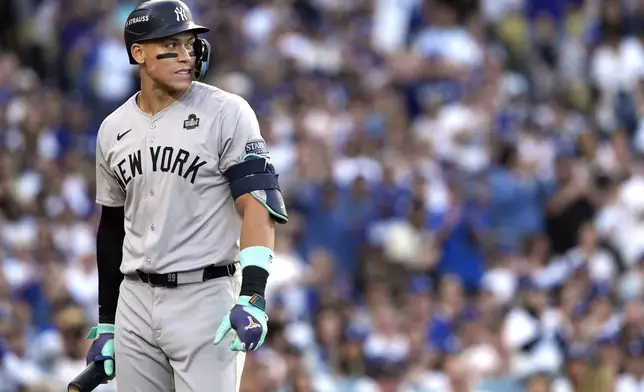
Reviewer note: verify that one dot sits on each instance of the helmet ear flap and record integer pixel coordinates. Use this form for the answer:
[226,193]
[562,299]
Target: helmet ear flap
[202,54]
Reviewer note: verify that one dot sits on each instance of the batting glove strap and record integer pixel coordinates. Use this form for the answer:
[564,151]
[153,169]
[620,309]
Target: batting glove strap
[99,330]
[255,300]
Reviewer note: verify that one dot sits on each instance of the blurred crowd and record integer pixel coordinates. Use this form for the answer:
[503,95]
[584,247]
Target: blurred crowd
[465,181]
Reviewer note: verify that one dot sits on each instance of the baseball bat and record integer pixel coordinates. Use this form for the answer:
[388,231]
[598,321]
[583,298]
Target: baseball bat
[93,376]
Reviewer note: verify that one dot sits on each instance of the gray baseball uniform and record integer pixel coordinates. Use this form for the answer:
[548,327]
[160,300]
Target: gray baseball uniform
[166,170]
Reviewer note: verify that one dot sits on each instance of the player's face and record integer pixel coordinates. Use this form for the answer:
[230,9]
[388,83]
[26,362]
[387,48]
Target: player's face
[170,62]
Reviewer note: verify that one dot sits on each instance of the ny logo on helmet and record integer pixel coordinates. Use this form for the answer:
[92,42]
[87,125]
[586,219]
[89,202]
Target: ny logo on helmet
[181,14]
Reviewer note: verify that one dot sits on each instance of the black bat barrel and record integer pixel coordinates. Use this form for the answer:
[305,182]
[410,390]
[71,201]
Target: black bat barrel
[93,376]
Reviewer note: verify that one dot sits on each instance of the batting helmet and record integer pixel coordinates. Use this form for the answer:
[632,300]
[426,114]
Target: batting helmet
[154,19]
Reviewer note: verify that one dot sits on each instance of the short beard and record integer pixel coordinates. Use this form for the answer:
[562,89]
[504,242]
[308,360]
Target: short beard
[160,84]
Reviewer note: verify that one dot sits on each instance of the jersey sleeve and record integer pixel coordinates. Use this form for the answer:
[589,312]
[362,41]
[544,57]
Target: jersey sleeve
[109,192]
[240,134]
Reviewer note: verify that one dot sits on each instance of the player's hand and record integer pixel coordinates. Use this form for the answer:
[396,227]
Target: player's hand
[102,348]
[248,319]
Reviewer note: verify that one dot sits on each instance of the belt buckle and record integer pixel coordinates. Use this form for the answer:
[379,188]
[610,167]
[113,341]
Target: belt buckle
[145,277]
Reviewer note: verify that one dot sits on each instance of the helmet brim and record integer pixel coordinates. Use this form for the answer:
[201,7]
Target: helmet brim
[166,33]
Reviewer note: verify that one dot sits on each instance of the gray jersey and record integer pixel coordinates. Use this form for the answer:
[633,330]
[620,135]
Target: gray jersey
[167,172]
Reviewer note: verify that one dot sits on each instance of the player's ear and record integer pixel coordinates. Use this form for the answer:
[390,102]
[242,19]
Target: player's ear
[138,54]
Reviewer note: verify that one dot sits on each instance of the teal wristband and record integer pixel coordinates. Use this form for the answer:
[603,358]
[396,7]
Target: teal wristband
[257,256]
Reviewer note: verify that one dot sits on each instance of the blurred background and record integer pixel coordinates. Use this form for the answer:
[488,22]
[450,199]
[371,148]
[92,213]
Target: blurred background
[465,181]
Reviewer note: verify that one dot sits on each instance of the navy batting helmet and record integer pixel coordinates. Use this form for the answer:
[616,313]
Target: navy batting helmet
[155,19]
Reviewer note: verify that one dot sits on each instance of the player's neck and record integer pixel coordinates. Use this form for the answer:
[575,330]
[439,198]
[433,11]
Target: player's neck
[153,99]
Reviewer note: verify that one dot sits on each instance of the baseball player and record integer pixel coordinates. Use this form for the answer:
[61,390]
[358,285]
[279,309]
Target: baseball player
[188,201]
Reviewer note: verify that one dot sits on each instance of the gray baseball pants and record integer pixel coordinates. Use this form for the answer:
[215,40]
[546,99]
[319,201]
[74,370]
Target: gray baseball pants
[163,338]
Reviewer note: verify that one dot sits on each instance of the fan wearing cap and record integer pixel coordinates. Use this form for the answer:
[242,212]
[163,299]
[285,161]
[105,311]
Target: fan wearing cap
[189,200]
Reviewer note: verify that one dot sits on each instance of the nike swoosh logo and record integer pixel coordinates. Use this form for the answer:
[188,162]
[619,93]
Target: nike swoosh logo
[120,135]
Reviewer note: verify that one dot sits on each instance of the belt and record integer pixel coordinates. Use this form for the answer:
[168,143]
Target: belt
[173,279]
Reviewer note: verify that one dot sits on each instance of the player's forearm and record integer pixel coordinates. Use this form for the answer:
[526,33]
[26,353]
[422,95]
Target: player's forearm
[258,228]
[257,241]
[109,253]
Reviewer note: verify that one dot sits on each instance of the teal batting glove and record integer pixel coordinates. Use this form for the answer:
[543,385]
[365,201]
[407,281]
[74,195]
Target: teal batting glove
[248,319]
[102,349]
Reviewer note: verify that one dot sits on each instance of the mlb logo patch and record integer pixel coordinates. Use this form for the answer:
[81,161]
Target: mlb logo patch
[192,122]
